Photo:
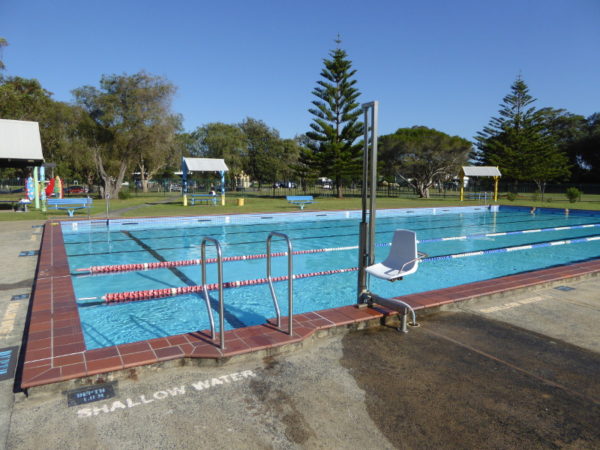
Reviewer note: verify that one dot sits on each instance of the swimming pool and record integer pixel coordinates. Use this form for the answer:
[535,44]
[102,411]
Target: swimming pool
[464,245]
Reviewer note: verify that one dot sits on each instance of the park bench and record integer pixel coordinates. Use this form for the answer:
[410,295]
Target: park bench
[70,204]
[300,200]
[17,205]
[203,199]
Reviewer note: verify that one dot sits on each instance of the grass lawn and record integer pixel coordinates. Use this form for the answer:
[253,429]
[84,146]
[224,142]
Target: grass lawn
[171,205]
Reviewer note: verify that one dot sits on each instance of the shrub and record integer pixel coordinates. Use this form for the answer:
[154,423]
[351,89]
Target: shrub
[512,196]
[124,195]
[573,194]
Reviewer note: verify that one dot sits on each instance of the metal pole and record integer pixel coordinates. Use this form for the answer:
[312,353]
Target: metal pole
[107,205]
[290,254]
[362,231]
[366,243]
[220,281]
[373,167]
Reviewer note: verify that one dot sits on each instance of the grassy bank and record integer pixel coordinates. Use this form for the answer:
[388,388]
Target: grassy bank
[171,205]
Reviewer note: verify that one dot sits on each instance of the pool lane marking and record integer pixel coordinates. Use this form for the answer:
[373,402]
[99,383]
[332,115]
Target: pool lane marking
[120,297]
[233,320]
[168,264]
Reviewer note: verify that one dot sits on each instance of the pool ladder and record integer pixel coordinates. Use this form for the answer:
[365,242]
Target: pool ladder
[205,291]
[290,280]
[269,278]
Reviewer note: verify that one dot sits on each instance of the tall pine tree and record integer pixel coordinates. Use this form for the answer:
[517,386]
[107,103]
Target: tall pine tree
[519,143]
[335,126]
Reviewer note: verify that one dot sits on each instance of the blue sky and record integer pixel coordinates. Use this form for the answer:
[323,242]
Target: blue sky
[442,64]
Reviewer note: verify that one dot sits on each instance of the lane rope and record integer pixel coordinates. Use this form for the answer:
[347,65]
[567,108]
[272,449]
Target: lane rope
[191,262]
[121,297]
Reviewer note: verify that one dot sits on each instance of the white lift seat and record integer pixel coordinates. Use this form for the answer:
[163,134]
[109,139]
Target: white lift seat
[402,260]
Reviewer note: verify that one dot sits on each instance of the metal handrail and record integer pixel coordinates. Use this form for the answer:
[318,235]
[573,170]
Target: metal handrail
[290,280]
[205,290]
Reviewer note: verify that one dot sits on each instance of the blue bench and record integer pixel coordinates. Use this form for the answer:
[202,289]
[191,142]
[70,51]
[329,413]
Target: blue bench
[300,200]
[70,204]
[203,199]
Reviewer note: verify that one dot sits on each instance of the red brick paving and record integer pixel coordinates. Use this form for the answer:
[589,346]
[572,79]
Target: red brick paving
[55,348]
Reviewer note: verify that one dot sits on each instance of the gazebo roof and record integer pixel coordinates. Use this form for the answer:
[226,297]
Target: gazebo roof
[20,144]
[205,165]
[480,171]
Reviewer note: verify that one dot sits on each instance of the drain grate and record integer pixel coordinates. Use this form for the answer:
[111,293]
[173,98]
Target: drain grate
[29,253]
[564,288]
[20,297]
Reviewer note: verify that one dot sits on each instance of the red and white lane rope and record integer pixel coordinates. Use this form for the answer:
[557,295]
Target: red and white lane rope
[170,292]
[122,297]
[191,262]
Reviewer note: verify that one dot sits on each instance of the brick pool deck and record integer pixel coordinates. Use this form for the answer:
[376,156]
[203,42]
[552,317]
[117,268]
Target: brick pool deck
[55,349]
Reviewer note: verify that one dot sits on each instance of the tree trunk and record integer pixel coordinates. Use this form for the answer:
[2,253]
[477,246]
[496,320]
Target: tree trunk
[541,185]
[422,190]
[112,186]
[338,187]
[143,179]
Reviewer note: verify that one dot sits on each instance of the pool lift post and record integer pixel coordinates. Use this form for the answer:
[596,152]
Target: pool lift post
[366,243]
[107,195]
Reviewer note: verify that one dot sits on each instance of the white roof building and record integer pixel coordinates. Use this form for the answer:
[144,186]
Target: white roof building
[480,171]
[20,144]
[205,165]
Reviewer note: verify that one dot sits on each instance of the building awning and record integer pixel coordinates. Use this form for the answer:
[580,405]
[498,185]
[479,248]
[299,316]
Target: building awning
[20,144]
[205,165]
[480,171]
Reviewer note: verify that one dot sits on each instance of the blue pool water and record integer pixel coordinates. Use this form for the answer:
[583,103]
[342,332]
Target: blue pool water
[90,244]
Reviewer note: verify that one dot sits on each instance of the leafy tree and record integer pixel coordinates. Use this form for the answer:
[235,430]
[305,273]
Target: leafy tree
[422,156]
[23,99]
[3,43]
[265,153]
[565,129]
[519,142]
[305,169]
[159,152]
[220,140]
[130,116]
[584,151]
[62,143]
[335,126]
[290,152]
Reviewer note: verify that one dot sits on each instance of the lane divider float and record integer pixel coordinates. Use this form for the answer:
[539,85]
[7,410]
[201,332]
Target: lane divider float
[121,297]
[191,262]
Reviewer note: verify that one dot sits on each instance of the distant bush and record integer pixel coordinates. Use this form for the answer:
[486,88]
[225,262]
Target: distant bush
[124,195]
[573,194]
[512,196]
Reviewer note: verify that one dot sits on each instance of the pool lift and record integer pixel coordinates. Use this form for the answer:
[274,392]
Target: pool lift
[403,258]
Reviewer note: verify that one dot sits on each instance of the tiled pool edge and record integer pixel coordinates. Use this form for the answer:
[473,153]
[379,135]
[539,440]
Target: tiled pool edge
[55,349]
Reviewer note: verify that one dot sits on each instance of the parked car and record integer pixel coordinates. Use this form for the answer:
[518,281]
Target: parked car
[76,190]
